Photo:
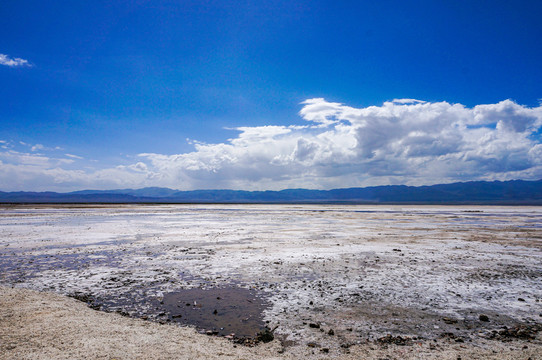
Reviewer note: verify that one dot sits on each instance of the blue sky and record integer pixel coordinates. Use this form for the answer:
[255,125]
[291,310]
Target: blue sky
[267,95]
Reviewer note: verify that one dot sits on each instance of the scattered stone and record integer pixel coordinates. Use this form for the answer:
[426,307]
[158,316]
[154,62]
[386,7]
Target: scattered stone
[483,317]
[124,313]
[452,336]
[215,312]
[313,345]
[526,332]
[331,332]
[325,350]
[397,340]
[266,335]
[314,326]
[521,299]
[449,320]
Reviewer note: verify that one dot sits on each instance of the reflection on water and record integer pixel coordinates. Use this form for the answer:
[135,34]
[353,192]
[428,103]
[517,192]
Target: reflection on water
[223,311]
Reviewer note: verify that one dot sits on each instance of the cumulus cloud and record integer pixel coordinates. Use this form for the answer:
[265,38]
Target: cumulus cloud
[404,141]
[13,62]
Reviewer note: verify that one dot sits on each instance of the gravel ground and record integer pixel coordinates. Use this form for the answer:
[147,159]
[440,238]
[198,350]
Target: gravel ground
[37,325]
[334,281]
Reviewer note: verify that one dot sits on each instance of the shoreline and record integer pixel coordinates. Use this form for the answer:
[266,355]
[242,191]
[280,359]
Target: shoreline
[42,325]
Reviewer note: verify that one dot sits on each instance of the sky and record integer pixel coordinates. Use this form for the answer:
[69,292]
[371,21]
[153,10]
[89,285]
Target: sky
[268,95]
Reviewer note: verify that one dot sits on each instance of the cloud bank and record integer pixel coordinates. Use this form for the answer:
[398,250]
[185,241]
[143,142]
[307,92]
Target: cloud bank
[15,62]
[404,141]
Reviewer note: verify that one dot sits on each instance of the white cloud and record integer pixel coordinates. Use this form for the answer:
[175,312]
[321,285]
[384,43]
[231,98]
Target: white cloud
[72,156]
[13,62]
[408,101]
[37,147]
[403,141]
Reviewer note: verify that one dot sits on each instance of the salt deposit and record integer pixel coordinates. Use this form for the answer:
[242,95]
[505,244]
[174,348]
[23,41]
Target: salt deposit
[363,272]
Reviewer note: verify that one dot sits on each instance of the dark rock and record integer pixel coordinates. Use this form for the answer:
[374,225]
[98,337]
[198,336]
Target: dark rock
[452,336]
[325,350]
[331,332]
[313,345]
[449,320]
[314,325]
[526,332]
[123,313]
[266,336]
[483,317]
[397,340]
[521,299]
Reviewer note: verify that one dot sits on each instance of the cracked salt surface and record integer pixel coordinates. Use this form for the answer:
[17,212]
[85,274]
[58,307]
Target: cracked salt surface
[361,271]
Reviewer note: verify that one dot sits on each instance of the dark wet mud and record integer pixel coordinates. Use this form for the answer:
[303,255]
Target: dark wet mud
[228,311]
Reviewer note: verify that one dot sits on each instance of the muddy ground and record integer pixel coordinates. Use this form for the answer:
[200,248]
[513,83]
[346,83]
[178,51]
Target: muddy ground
[326,279]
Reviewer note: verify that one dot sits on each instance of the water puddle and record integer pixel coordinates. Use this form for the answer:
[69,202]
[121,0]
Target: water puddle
[230,311]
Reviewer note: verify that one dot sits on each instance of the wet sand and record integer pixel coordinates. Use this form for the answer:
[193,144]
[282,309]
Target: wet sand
[338,281]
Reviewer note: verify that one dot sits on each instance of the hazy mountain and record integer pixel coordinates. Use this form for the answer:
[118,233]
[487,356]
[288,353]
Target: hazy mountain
[474,192]
[145,192]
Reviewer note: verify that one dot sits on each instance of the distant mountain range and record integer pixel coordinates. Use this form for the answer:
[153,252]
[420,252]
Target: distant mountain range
[474,192]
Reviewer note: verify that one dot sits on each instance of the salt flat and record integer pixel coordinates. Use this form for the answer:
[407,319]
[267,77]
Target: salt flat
[416,273]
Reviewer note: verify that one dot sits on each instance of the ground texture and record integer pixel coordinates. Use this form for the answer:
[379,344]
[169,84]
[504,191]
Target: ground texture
[331,281]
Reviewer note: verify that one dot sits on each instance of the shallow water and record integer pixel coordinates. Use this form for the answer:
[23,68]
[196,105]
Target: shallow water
[224,311]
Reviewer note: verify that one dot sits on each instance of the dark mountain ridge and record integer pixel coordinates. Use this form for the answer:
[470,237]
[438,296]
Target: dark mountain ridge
[473,192]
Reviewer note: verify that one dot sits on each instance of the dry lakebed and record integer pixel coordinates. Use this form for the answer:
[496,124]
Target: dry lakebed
[270,281]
